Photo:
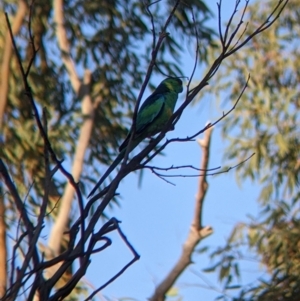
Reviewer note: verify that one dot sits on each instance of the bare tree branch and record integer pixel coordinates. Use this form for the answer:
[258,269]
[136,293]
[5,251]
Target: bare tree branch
[3,249]
[80,247]
[59,227]
[197,231]
[32,253]
[135,258]
[151,65]
[206,172]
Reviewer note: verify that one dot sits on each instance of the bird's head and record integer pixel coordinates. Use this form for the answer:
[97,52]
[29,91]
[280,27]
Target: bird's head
[170,84]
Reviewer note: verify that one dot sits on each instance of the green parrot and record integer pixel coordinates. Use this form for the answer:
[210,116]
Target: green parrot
[151,118]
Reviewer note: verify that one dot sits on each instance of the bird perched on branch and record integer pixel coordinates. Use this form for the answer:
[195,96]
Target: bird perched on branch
[151,118]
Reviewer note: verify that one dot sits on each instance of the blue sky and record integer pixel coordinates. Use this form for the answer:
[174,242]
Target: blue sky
[156,217]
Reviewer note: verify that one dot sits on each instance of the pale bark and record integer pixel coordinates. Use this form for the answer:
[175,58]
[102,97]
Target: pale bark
[7,53]
[64,45]
[3,250]
[65,204]
[197,231]
[5,64]
[82,90]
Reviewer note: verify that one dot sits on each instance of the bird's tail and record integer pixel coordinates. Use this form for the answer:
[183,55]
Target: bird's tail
[118,159]
[109,170]
[124,144]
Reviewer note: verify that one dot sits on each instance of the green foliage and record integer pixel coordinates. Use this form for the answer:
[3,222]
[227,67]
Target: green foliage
[111,38]
[266,121]
[114,40]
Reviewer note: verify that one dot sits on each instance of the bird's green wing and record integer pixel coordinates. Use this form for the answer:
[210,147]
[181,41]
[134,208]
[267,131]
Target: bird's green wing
[108,172]
[149,111]
[118,159]
[152,116]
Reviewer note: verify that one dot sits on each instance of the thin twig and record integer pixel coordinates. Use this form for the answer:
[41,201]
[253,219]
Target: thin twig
[220,23]
[199,175]
[135,258]
[197,133]
[161,38]
[38,120]
[196,53]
